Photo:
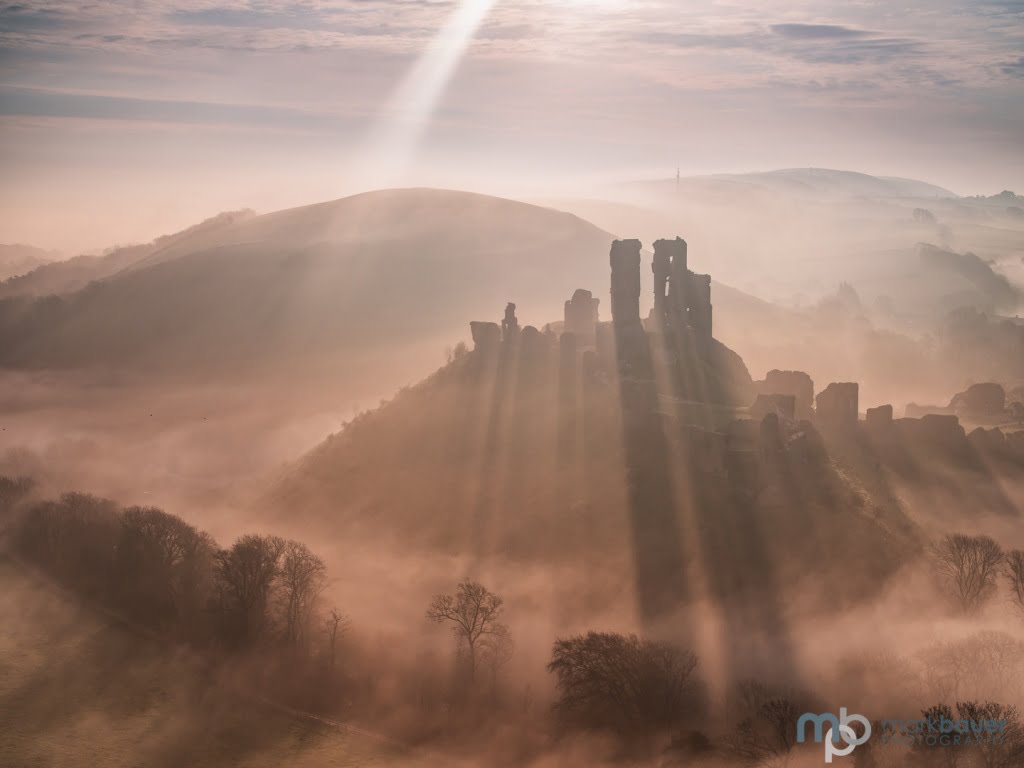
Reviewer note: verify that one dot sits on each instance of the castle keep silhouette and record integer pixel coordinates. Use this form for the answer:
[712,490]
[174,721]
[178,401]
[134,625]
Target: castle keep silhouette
[669,368]
[681,320]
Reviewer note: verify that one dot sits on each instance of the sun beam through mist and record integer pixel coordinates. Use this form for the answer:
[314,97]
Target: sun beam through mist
[397,131]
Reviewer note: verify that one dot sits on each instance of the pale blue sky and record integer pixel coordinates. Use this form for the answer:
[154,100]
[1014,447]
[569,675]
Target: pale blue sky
[120,120]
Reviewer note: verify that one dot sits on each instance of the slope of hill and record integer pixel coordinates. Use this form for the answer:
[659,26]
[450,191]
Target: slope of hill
[77,272]
[808,183]
[830,183]
[382,282]
[791,236]
[19,259]
[487,464]
[330,280]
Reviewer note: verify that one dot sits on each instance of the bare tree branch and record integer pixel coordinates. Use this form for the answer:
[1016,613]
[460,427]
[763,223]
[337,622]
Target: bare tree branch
[474,612]
[968,565]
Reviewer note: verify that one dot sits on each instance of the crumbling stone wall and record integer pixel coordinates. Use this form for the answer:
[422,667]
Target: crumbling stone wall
[510,325]
[486,336]
[625,287]
[661,266]
[878,418]
[581,317]
[699,310]
[838,406]
[796,383]
[915,411]
[632,355]
[682,299]
[980,401]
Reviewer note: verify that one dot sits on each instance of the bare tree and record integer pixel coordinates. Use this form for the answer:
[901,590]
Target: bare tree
[1013,569]
[163,564]
[495,652]
[624,683]
[933,753]
[74,538]
[302,577]
[161,535]
[987,664]
[474,613]
[335,625]
[1006,749]
[766,732]
[968,565]
[12,491]
[245,574]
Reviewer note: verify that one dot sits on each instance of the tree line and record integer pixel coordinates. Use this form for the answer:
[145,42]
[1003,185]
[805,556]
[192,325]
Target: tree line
[263,596]
[970,568]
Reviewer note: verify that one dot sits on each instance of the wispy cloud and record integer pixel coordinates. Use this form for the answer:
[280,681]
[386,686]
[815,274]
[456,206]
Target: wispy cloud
[15,101]
[1014,68]
[818,31]
[544,82]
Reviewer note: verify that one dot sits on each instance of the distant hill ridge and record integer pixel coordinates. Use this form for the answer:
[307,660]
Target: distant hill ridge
[825,182]
[331,279]
[77,272]
[18,259]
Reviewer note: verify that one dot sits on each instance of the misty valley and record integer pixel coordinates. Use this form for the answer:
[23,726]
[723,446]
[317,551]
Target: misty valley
[511,384]
[621,513]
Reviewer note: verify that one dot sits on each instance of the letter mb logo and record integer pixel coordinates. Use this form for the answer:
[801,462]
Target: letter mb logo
[839,732]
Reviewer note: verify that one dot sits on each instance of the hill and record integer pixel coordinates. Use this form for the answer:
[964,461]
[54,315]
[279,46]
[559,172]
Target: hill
[19,259]
[72,274]
[325,283]
[634,444]
[488,459]
[825,182]
[810,184]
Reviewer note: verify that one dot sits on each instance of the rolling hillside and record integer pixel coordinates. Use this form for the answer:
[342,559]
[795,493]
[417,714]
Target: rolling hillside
[333,281]
[19,259]
[60,277]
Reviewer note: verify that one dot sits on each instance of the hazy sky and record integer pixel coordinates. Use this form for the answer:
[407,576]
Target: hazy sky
[124,119]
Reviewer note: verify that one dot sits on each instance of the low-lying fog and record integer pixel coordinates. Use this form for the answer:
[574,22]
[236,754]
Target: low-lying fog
[194,373]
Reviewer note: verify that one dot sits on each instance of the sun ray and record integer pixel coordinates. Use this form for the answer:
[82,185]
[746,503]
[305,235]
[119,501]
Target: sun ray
[398,130]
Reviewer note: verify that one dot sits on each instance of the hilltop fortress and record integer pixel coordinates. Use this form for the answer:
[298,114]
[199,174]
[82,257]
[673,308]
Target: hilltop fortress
[642,439]
[673,376]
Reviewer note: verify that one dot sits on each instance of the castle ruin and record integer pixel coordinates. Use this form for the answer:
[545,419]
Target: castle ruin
[669,368]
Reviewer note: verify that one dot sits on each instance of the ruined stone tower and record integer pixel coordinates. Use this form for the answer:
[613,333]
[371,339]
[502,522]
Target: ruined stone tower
[510,324]
[581,316]
[625,289]
[682,299]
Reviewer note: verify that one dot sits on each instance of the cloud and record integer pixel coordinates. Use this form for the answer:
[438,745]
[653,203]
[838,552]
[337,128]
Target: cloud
[872,50]
[817,31]
[810,43]
[1014,68]
[22,18]
[32,102]
[721,41]
[508,31]
[547,71]
[222,16]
